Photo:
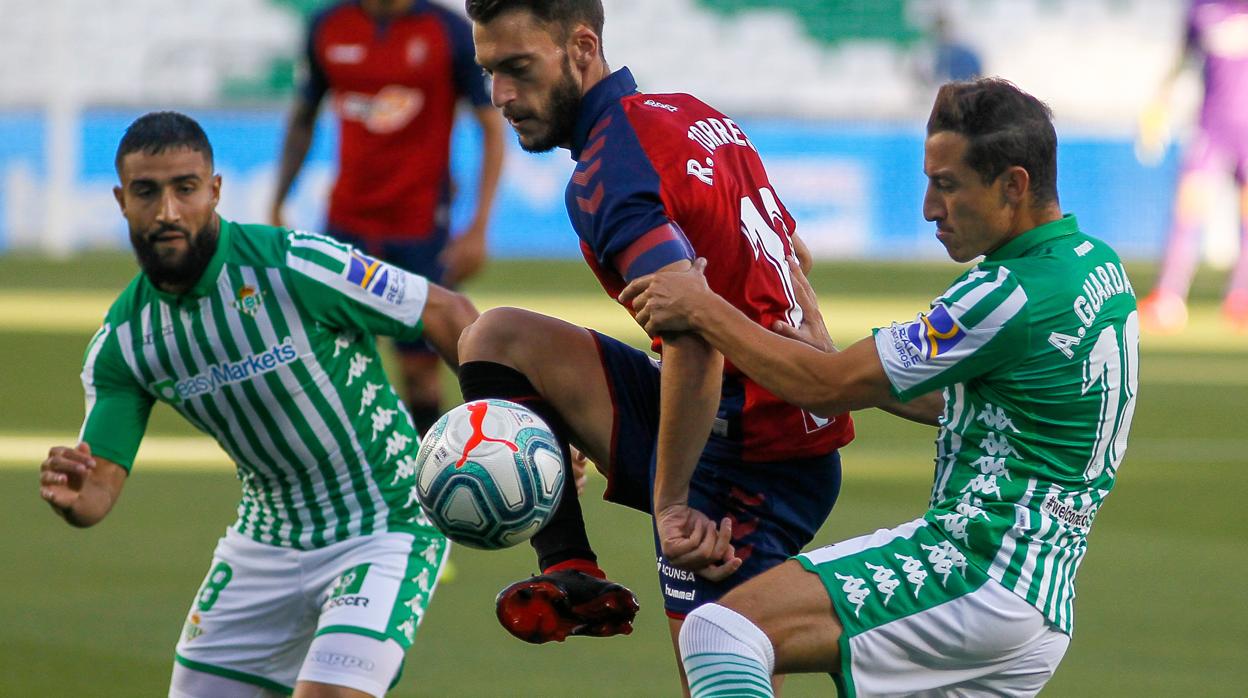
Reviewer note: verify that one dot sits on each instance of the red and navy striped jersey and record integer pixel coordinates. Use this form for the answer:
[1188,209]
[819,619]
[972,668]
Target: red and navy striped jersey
[394,86]
[662,178]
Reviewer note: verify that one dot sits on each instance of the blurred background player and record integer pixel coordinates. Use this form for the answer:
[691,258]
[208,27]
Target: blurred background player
[658,179]
[396,70]
[263,338]
[949,58]
[1217,36]
[1038,382]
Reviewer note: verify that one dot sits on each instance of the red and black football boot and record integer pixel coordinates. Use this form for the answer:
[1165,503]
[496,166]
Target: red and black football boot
[565,602]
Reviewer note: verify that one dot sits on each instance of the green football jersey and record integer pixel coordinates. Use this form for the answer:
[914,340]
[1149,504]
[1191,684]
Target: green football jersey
[273,354]
[1036,349]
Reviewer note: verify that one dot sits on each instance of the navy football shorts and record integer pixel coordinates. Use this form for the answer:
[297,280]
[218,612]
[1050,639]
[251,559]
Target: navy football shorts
[417,255]
[776,507]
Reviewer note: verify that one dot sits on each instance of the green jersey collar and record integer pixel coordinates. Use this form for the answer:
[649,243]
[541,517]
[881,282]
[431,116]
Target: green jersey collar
[1021,245]
[208,281]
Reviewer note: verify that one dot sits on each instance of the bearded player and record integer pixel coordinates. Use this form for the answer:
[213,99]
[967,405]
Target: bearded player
[265,339]
[736,479]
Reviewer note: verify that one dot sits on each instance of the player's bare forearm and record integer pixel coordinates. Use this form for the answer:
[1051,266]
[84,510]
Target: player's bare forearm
[689,393]
[824,383]
[80,487]
[817,379]
[446,315]
[492,150]
[295,146]
[924,409]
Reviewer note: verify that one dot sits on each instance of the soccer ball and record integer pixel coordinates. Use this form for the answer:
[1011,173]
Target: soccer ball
[489,474]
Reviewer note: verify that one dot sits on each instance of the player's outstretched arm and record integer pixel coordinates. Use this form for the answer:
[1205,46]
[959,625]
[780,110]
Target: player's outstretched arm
[925,409]
[80,487]
[445,316]
[824,383]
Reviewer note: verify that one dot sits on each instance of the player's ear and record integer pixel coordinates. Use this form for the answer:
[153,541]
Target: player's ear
[584,46]
[120,195]
[1016,184]
[216,189]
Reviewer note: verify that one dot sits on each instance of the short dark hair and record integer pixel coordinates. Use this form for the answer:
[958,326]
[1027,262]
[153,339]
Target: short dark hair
[1005,127]
[561,12]
[158,131]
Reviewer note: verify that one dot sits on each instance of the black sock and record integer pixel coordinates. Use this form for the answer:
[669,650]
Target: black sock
[424,414]
[563,538]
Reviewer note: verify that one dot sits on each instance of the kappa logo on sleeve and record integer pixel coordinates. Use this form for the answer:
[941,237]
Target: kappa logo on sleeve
[934,334]
[379,279]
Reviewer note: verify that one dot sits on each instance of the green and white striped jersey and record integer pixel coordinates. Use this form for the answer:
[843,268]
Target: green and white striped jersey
[1036,349]
[273,354]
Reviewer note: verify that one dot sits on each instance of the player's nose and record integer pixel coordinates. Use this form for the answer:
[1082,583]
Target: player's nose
[168,206]
[502,92]
[933,207]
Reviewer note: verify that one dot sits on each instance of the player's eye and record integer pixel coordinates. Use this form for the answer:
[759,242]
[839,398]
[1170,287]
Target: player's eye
[519,71]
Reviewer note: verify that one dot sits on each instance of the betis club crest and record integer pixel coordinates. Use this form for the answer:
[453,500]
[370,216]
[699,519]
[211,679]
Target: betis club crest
[249,300]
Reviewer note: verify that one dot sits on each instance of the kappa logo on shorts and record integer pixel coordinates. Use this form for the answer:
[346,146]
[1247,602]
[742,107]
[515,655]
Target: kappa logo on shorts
[886,581]
[856,591]
[416,605]
[944,558]
[915,573]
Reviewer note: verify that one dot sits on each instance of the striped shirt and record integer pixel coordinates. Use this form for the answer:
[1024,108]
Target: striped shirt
[1036,351]
[273,354]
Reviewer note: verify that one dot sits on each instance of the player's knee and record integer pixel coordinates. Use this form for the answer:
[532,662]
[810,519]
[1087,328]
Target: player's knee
[721,649]
[493,336]
[715,628]
[510,336]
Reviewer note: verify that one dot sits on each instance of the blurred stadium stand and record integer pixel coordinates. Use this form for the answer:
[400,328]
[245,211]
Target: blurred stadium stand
[1096,60]
[833,87]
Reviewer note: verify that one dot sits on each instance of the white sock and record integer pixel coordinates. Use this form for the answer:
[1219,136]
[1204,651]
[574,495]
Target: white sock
[725,654]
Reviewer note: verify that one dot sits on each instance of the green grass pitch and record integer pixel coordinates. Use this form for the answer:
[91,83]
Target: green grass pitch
[1161,607]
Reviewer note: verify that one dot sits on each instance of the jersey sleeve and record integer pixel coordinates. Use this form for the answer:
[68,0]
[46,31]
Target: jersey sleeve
[979,325]
[315,82]
[345,289]
[470,81]
[117,407]
[616,193]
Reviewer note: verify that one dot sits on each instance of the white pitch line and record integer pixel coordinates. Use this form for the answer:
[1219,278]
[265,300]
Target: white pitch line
[155,453]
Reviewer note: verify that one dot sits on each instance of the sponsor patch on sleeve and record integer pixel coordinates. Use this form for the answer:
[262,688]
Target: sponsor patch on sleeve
[376,277]
[932,335]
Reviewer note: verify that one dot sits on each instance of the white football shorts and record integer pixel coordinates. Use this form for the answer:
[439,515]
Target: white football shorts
[919,621]
[260,607]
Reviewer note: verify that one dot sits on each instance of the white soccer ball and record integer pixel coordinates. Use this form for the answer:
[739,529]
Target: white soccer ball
[489,474]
